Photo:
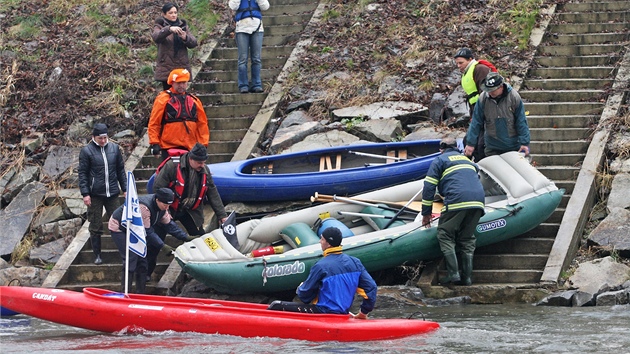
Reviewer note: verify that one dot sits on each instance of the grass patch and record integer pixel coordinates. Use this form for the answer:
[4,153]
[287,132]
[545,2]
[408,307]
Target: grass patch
[202,18]
[519,19]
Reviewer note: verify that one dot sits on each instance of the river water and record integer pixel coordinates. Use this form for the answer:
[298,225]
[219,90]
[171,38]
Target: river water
[464,329]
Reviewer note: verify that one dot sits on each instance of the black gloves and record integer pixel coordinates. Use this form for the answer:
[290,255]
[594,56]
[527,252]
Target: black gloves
[155,149]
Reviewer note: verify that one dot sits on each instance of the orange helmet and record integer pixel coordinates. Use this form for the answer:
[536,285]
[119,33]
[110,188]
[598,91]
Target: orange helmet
[178,75]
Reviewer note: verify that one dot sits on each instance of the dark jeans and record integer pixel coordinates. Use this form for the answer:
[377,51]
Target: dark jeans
[95,217]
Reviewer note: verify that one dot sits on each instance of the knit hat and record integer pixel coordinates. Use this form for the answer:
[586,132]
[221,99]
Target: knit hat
[165,195]
[464,53]
[492,82]
[178,75]
[333,236]
[198,152]
[100,129]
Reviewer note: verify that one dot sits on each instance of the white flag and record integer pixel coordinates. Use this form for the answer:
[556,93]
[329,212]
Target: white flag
[132,219]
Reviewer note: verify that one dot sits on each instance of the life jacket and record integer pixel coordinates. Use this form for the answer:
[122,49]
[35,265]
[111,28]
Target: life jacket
[180,108]
[247,9]
[468,81]
[179,185]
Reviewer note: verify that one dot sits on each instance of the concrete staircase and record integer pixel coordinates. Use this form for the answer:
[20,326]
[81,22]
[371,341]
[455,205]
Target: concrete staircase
[564,91]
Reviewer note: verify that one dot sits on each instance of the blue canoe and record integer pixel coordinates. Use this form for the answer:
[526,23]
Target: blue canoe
[341,170]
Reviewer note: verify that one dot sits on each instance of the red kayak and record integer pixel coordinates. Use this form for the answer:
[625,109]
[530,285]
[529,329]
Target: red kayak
[107,311]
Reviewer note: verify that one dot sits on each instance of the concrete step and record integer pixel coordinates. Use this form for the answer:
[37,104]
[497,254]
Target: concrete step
[566,84]
[507,261]
[506,276]
[231,98]
[564,108]
[559,147]
[224,146]
[556,216]
[210,87]
[232,64]
[544,230]
[92,273]
[229,123]
[592,72]
[558,159]
[224,76]
[562,95]
[587,38]
[285,20]
[267,52]
[559,134]
[578,61]
[232,111]
[567,185]
[576,121]
[589,6]
[283,30]
[533,245]
[593,17]
[557,172]
[217,158]
[229,135]
[566,28]
[578,50]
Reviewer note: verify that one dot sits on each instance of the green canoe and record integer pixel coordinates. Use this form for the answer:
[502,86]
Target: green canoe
[518,198]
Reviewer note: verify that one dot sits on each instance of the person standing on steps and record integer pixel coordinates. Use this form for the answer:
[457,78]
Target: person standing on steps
[190,178]
[500,116]
[178,119]
[249,37]
[173,39]
[154,211]
[333,282]
[458,181]
[102,178]
[473,73]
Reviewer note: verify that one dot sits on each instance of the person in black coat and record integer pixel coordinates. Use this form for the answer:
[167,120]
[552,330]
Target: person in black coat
[101,179]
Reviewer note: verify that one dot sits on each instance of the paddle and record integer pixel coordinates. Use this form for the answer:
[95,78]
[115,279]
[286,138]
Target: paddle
[378,216]
[403,208]
[393,206]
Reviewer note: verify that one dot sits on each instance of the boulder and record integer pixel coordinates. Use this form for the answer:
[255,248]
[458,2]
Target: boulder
[286,137]
[619,196]
[23,276]
[17,216]
[378,130]
[60,159]
[600,275]
[614,232]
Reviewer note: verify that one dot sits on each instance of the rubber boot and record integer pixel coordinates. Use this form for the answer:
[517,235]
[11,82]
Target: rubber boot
[141,282]
[452,268]
[96,247]
[467,267]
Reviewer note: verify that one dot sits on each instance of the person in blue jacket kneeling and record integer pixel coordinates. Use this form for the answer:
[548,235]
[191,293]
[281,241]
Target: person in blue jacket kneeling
[333,282]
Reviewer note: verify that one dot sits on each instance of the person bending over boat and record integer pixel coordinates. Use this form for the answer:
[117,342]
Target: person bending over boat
[154,210]
[458,181]
[333,282]
[190,178]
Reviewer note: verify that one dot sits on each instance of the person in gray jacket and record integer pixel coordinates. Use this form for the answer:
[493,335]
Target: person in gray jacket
[501,112]
[101,179]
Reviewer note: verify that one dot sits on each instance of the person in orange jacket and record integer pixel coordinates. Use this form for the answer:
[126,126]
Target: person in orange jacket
[178,119]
